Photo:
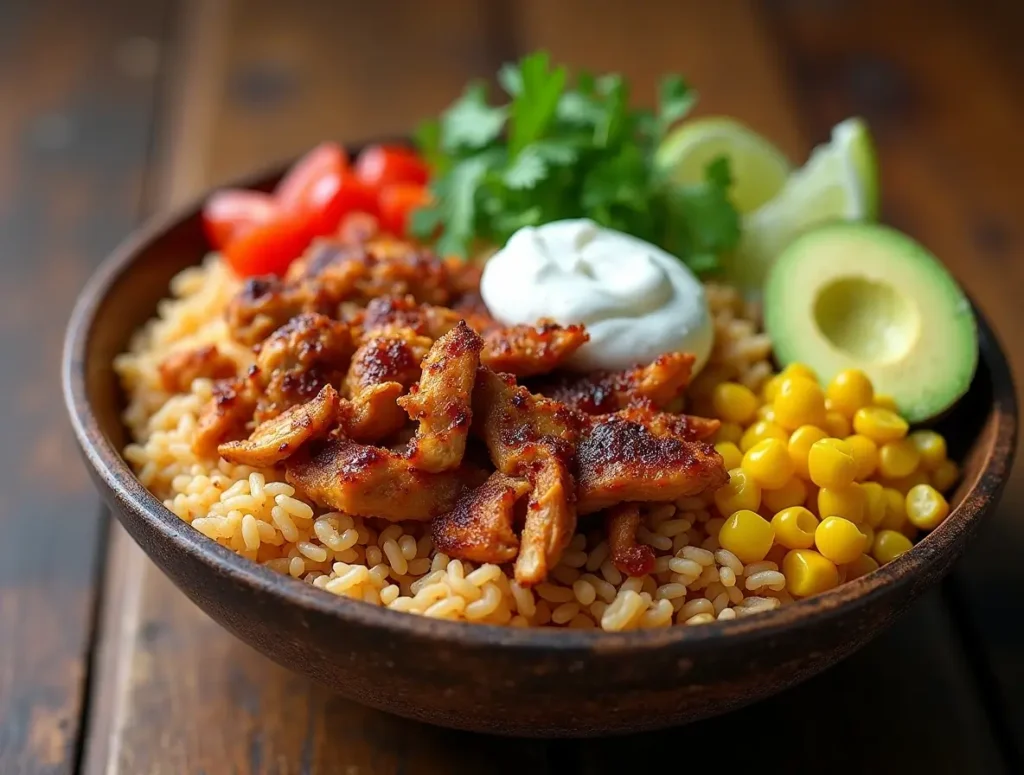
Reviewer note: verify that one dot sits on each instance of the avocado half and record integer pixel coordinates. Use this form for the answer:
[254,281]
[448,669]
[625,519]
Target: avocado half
[852,295]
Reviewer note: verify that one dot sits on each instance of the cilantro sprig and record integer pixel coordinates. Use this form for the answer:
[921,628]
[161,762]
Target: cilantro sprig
[556,151]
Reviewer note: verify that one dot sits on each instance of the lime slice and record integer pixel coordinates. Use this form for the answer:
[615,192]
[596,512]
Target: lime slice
[759,169]
[839,182]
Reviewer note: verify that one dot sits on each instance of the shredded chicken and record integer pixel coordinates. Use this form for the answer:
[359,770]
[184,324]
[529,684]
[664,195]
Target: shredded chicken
[479,528]
[440,402]
[180,369]
[370,481]
[526,351]
[620,461]
[627,555]
[281,437]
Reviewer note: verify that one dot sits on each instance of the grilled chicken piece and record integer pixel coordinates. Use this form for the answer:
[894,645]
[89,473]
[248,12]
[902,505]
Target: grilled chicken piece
[373,414]
[654,386]
[225,416]
[388,314]
[620,461]
[627,555]
[530,436]
[526,351]
[179,369]
[298,359]
[440,402]
[387,359]
[479,528]
[373,482]
[281,437]
[685,427]
[263,305]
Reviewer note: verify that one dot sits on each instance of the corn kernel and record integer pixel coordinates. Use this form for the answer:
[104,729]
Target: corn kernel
[926,507]
[837,425]
[766,412]
[897,459]
[874,504]
[808,573]
[799,402]
[865,455]
[734,402]
[888,545]
[879,425]
[799,370]
[931,447]
[748,535]
[740,492]
[862,566]
[846,502]
[770,389]
[731,455]
[768,463]
[759,431]
[794,527]
[792,493]
[839,540]
[830,463]
[945,476]
[728,431]
[800,446]
[850,390]
[904,484]
[895,510]
[886,402]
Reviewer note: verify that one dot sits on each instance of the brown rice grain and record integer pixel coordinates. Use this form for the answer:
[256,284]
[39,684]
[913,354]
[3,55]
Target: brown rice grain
[553,593]
[488,603]
[725,614]
[250,532]
[448,608]
[611,574]
[584,592]
[766,578]
[564,613]
[374,556]
[407,544]
[645,536]
[523,597]
[670,591]
[419,566]
[563,574]
[574,559]
[673,527]
[685,567]
[395,557]
[597,557]
[626,607]
[699,619]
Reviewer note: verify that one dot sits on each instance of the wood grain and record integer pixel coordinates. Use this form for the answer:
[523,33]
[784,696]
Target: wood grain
[77,90]
[944,101]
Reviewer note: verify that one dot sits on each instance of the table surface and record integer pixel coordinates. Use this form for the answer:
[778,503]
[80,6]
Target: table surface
[113,110]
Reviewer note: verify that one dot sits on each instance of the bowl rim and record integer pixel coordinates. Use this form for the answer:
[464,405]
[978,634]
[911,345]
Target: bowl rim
[108,463]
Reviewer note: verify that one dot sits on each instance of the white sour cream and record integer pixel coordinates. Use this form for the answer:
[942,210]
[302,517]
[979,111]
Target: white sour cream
[636,300]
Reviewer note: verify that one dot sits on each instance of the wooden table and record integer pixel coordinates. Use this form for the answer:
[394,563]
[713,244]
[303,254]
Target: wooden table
[113,109]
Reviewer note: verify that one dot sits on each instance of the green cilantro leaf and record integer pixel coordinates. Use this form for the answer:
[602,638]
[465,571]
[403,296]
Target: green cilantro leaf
[535,163]
[534,106]
[471,123]
[675,100]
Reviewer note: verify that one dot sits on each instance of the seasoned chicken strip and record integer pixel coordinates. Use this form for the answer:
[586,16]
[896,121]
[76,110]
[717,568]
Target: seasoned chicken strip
[225,416]
[387,359]
[526,351]
[479,528]
[440,401]
[530,436]
[373,414]
[627,555]
[373,482]
[619,461]
[281,437]
[685,427]
[388,314]
[178,370]
[653,386]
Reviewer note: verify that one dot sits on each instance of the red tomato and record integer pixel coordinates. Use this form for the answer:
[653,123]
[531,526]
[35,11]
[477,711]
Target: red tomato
[396,202]
[230,212]
[269,247]
[326,158]
[332,197]
[381,165]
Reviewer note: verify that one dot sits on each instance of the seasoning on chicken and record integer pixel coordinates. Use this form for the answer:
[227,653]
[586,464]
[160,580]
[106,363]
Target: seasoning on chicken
[620,461]
[370,481]
[440,401]
[387,359]
[479,528]
[281,437]
[531,436]
[373,414]
[526,351]
[298,359]
[627,555]
[225,416]
[263,305]
[655,386]
[685,427]
[180,369]
[389,314]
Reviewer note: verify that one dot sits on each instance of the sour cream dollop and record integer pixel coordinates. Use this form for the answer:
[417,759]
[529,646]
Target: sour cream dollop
[636,300]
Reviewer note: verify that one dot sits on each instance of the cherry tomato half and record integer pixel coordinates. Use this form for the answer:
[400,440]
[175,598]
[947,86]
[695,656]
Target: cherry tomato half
[324,159]
[382,165]
[268,248]
[231,212]
[332,197]
[396,202]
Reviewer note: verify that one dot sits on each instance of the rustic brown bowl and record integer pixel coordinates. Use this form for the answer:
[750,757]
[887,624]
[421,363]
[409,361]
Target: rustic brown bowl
[538,683]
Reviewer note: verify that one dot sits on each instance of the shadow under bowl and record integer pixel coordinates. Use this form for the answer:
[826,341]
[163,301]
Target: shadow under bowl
[528,682]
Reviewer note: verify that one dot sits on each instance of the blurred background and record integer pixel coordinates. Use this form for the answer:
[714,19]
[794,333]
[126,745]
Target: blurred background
[111,110]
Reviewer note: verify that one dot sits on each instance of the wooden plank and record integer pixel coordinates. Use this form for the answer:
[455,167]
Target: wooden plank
[77,93]
[747,79]
[943,100]
[177,693]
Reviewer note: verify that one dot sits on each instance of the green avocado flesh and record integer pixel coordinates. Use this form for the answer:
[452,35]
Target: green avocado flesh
[865,296]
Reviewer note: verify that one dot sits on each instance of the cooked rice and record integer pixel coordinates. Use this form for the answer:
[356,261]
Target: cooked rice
[259,516]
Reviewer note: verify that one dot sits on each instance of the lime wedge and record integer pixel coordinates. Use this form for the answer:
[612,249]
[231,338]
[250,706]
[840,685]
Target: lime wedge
[839,182]
[759,169]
